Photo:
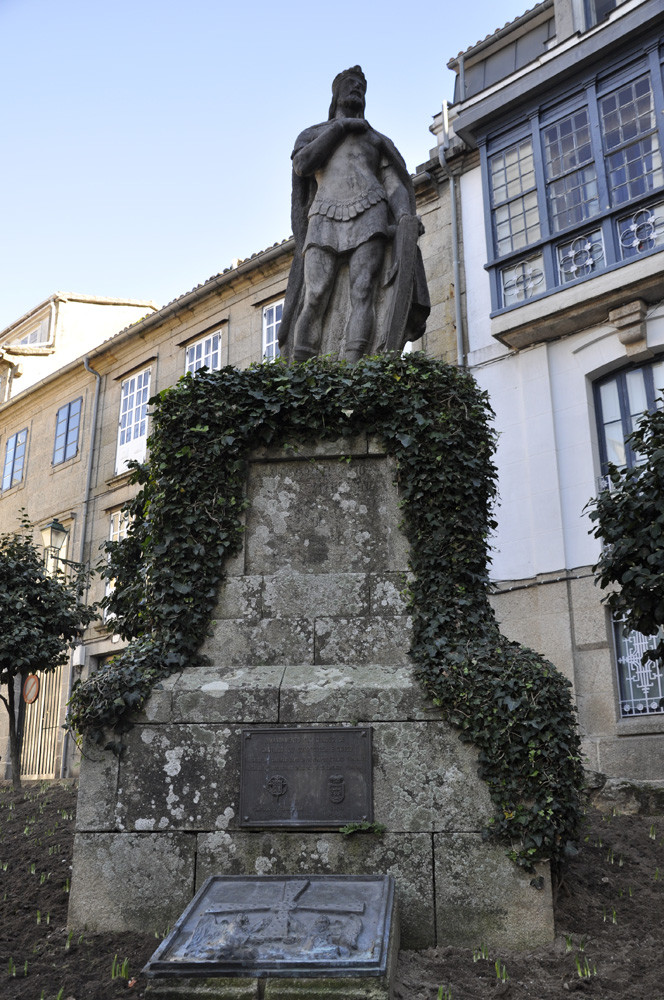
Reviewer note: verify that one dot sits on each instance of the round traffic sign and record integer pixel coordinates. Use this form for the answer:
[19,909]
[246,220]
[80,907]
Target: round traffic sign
[31,689]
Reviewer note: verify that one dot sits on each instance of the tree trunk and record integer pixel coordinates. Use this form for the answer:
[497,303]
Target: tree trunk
[14,750]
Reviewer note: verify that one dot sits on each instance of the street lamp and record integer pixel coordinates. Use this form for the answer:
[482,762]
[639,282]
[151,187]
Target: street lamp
[53,538]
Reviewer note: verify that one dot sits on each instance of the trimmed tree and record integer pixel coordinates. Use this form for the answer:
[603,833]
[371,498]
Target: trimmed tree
[43,617]
[629,520]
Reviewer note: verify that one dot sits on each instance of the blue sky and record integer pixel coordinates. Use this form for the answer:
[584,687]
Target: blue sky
[146,143]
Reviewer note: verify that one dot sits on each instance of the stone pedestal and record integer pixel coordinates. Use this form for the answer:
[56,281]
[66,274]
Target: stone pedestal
[311,629]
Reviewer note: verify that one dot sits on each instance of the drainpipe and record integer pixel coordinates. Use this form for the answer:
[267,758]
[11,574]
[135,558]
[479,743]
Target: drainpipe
[442,159]
[77,657]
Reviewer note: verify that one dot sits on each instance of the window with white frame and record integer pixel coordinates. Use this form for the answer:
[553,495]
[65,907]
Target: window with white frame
[133,423]
[67,427]
[621,399]
[119,522]
[579,188]
[14,466]
[36,336]
[271,324]
[204,353]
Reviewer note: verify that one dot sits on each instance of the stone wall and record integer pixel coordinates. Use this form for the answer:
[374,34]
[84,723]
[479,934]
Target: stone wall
[560,615]
[311,629]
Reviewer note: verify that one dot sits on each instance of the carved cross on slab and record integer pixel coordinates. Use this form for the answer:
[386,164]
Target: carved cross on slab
[281,912]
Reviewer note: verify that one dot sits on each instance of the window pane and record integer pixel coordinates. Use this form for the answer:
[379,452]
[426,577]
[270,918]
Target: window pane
[134,406]
[60,434]
[614,440]
[612,429]
[627,113]
[642,231]
[573,198]
[641,691]
[10,447]
[635,170]
[204,353]
[658,381]
[610,401]
[580,256]
[14,459]
[523,280]
[271,324]
[67,423]
[567,144]
[636,394]
[512,172]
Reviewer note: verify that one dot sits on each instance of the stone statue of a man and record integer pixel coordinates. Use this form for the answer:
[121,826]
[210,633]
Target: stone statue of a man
[353,213]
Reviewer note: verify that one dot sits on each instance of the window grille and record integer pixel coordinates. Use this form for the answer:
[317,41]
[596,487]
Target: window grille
[641,685]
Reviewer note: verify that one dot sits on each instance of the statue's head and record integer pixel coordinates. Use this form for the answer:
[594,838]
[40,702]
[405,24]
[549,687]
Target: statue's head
[348,89]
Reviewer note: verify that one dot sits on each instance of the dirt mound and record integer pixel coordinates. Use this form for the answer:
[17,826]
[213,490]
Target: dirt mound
[609,920]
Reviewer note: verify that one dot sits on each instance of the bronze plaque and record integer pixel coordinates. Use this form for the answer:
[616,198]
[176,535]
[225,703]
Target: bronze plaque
[271,925]
[308,777]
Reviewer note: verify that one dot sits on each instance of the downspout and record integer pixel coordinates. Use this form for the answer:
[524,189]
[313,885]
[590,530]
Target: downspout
[77,657]
[458,320]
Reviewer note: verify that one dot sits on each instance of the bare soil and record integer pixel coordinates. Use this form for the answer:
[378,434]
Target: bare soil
[609,920]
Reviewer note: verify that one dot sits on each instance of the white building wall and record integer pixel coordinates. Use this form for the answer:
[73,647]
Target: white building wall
[481,345]
[547,453]
[529,538]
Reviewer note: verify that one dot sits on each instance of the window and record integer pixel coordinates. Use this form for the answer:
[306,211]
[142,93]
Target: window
[271,324]
[204,353]
[118,530]
[620,400]
[67,426]
[574,192]
[599,10]
[36,336]
[14,459]
[119,524]
[133,424]
[640,685]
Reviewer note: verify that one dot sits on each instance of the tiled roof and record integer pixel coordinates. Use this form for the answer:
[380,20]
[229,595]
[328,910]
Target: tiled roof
[227,270]
[169,306]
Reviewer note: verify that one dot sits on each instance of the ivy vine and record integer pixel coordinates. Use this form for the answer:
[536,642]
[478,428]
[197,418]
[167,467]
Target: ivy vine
[187,519]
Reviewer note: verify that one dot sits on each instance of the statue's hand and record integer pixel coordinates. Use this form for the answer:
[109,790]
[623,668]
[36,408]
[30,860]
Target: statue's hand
[354,124]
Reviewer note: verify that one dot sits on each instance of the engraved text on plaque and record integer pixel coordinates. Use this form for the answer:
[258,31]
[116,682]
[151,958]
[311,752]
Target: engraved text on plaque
[309,777]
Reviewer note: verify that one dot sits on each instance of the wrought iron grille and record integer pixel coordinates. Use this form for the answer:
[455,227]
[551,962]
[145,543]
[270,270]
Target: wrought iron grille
[641,684]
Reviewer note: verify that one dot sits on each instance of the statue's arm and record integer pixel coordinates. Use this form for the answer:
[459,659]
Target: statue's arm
[398,196]
[397,181]
[310,154]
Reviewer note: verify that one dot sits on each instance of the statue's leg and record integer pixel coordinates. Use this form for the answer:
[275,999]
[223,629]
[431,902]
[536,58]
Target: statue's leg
[320,267]
[364,273]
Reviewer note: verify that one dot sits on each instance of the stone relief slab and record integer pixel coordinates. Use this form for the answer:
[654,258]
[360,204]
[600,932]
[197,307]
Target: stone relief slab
[407,857]
[281,926]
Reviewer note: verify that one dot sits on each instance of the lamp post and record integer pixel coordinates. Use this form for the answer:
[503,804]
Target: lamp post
[53,538]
